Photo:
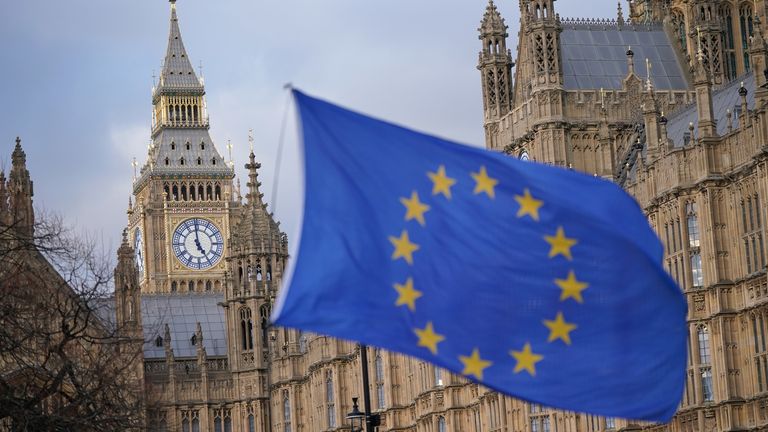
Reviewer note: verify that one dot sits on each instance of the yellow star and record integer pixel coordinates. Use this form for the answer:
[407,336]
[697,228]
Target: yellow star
[559,329]
[408,294]
[474,365]
[483,183]
[526,359]
[528,205]
[442,183]
[403,247]
[571,287]
[428,338]
[416,208]
[561,245]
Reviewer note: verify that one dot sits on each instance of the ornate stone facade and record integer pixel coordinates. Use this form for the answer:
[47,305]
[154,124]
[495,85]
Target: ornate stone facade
[655,103]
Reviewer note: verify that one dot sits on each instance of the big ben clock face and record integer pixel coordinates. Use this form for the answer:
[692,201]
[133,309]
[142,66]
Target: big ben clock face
[198,243]
[138,250]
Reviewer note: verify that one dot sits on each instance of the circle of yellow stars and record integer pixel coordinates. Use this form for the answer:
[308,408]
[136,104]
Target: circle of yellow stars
[560,246]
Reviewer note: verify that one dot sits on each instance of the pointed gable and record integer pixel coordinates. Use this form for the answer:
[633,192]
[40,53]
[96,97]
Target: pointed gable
[177,72]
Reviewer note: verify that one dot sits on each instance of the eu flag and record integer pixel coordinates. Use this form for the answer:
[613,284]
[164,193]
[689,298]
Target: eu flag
[540,282]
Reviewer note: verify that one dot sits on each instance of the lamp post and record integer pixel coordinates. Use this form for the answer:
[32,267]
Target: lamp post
[356,417]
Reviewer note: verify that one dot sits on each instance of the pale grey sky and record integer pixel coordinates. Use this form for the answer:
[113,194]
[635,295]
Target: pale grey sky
[76,77]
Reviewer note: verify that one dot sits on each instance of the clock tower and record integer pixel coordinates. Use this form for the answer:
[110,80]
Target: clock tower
[180,219]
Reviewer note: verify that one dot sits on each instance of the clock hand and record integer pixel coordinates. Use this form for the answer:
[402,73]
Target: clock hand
[199,247]
[197,240]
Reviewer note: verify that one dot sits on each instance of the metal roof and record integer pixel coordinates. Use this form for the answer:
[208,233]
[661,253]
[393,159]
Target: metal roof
[178,72]
[182,313]
[723,99]
[594,56]
[172,143]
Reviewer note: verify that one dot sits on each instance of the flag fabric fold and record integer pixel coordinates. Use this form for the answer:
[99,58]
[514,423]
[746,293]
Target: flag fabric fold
[540,282]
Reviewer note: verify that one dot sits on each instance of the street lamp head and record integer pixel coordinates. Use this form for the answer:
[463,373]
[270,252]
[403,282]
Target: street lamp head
[356,417]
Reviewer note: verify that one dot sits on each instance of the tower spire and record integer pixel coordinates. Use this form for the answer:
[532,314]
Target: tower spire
[495,65]
[20,193]
[177,70]
[181,143]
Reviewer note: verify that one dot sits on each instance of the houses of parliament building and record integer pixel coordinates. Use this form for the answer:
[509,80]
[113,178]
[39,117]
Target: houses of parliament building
[668,100]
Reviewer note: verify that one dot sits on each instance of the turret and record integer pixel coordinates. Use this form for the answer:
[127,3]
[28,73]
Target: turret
[651,119]
[127,291]
[257,259]
[703,87]
[542,28]
[21,214]
[495,65]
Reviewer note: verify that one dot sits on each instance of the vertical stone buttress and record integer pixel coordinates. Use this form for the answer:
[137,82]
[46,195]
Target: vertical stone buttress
[709,38]
[702,82]
[20,212]
[495,65]
[651,120]
[541,28]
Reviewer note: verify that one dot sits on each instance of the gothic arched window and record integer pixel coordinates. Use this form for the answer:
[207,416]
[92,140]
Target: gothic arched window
[173,286]
[745,29]
[704,350]
[246,328]
[678,26]
[200,193]
[441,424]
[218,192]
[728,40]
[286,411]
[379,367]
[438,376]
[264,312]
[302,342]
[693,224]
[330,404]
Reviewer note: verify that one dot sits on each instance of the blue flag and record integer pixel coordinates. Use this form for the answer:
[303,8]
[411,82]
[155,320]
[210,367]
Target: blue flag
[539,282]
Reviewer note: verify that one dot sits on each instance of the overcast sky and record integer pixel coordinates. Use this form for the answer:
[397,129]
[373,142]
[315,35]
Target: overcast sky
[76,77]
